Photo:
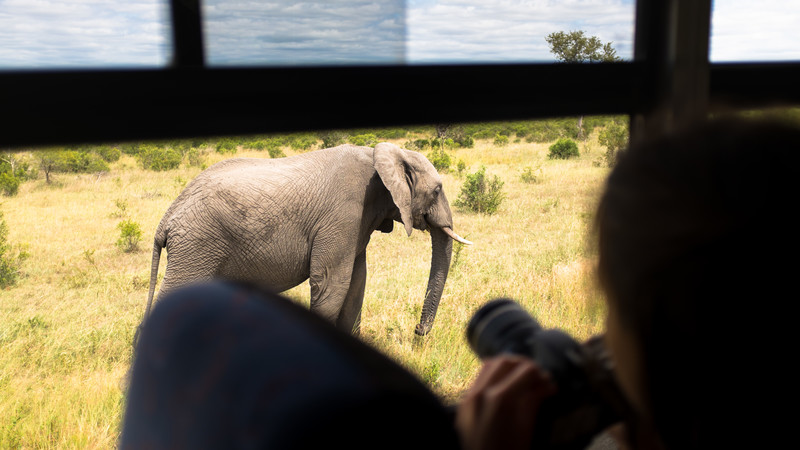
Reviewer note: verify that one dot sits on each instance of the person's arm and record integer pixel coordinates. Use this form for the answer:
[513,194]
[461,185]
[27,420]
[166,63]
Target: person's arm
[499,410]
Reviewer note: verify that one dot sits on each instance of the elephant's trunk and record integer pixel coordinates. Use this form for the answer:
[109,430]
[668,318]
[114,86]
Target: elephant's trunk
[441,251]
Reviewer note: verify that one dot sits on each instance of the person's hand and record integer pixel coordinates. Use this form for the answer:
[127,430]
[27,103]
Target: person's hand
[499,410]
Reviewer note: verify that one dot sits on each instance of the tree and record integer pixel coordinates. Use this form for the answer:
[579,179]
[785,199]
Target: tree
[576,47]
[49,161]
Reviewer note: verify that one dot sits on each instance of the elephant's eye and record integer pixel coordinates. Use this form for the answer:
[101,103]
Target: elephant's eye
[437,191]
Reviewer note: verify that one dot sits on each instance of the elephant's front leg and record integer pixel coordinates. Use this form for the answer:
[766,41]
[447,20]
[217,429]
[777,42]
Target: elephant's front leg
[350,318]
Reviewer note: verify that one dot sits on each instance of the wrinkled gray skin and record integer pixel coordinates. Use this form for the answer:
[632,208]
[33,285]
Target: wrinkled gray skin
[278,222]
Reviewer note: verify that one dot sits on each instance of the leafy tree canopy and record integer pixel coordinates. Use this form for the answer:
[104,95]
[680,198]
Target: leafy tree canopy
[576,47]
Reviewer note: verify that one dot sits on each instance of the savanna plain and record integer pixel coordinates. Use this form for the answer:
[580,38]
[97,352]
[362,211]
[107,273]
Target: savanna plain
[67,325]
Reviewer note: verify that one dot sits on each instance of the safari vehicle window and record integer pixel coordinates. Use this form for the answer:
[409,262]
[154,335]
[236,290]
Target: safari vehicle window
[403,32]
[749,31]
[71,34]
[137,34]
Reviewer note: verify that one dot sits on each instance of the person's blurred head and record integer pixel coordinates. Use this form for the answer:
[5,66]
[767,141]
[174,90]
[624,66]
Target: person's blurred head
[693,232]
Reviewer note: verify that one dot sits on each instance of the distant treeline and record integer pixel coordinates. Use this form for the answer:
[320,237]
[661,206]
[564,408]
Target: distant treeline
[16,166]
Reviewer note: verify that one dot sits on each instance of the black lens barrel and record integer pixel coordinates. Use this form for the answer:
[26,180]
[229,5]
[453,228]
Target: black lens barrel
[502,326]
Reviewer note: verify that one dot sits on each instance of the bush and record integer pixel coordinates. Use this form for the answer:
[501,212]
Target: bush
[614,137]
[564,148]
[465,142]
[332,138]
[130,234]
[531,175]
[14,169]
[9,184]
[302,142]
[500,140]
[440,160]
[129,148]
[258,144]
[158,159]
[194,157]
[10,262]
[417,144]
[275,152]
[108,153]
[461,166]
[480,194]
[446,143]
[364,140]
[81,162]
[227,146]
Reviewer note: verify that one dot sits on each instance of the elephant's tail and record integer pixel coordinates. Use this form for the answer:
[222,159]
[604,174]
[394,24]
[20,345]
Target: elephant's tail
[153,276]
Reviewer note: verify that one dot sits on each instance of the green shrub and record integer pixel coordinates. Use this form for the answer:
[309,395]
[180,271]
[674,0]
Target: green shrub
[158,159]
[417,144]
[122,208]
[10,259]
[258,144]
[227,146]
[461,166]
[500,140]
[302,142]
[9,184]
[332,138]
[465,142]
[391,133]
[364,140]
[563,148]
[440,160]
[614,137]
[179,145]
[81,162]
[130,148]
[194,157]
[108,153]
[531,175]
[17,166]
[275,152]
[446,143]
[481,194]
[130,234]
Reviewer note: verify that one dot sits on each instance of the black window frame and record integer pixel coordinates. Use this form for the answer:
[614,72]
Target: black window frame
[669,82]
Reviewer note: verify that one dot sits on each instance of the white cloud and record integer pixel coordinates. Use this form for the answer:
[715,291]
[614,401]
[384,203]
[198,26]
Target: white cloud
[311,32]
[82,33]
[767,30]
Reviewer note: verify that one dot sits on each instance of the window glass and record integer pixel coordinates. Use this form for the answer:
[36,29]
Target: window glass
[511,31]
[83,33]
[282,32]
[246,32]
[766,30]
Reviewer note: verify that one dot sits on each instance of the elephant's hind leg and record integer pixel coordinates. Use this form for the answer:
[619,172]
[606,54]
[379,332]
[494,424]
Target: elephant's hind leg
[187,267]
[329,286]
[350,317]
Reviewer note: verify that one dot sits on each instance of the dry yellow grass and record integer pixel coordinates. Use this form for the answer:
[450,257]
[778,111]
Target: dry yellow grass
[66,328]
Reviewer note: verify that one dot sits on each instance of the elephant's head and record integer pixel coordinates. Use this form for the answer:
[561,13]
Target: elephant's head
[416,190]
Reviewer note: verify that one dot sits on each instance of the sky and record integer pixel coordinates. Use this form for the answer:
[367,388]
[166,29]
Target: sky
[135,33]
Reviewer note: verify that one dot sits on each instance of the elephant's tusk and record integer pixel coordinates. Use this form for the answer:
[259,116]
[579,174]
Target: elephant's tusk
[454,236]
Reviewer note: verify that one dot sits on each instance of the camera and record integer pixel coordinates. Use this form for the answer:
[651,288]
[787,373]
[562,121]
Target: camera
[588,399]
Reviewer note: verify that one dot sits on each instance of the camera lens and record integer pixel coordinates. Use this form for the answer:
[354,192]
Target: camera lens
[502,326]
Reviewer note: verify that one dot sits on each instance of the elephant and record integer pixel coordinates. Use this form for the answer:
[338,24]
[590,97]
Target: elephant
[279,222]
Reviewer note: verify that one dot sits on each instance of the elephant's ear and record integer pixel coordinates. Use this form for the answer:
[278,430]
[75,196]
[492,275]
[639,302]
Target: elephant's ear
[389,162]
